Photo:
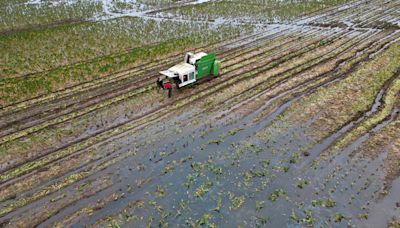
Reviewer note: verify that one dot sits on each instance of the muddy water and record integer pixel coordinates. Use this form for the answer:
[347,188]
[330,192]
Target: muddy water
[244,182]
[226,183]
[385,209]
[181,141]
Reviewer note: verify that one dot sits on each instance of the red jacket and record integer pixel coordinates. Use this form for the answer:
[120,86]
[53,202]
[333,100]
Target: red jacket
[167,86]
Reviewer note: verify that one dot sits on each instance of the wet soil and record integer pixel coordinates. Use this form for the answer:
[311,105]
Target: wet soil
[229,151]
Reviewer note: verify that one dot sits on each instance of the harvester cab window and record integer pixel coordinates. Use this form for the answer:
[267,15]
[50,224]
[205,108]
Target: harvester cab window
[191,76]
[185,77]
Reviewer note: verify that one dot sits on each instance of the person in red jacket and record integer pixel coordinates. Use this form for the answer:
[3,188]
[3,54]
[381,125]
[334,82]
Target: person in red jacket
[169,88]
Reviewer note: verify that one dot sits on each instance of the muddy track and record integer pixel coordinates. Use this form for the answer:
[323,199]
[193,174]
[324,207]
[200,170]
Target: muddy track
[292,72]
[372,13]
[346,154]
[329,12]
[357,120]
[377,17]
[343,10]
[142,116]
[336,65]
[377,106]
[283,80]
[370,131]
[341,13]
[330,74]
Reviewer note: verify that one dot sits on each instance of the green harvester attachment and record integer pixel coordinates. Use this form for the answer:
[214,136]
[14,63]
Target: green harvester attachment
[207,65]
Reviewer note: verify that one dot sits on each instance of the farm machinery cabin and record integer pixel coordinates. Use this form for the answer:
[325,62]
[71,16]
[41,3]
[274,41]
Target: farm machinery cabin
[193,68]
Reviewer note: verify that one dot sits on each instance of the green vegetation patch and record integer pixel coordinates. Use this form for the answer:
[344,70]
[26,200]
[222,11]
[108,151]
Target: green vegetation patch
[141,47]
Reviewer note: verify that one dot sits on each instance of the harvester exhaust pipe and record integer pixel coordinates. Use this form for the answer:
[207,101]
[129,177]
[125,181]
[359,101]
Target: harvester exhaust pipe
[188,56]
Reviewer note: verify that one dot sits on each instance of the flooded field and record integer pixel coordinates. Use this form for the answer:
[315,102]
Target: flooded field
[301,127]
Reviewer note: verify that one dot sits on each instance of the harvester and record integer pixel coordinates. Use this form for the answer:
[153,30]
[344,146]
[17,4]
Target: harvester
[193,68]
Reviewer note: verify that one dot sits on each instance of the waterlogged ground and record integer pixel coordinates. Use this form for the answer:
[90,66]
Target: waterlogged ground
[301,128]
